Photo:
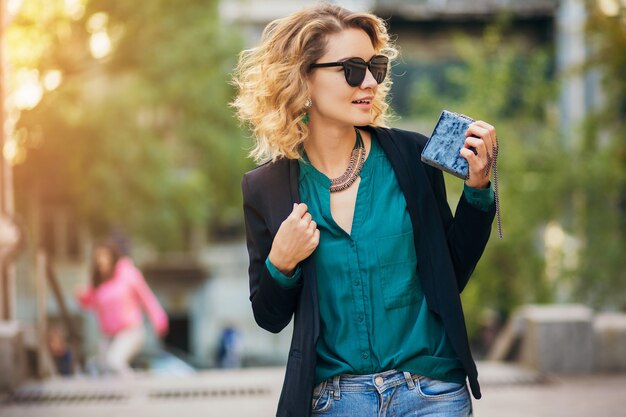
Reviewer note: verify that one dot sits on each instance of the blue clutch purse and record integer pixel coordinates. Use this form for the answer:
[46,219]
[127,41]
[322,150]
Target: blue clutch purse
[443,147]
[443,151]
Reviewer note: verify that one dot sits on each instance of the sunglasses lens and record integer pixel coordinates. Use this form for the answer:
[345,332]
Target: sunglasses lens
[355,71]
[378,66]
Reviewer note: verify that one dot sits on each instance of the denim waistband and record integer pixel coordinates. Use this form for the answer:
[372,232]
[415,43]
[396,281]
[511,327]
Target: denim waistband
[380,382]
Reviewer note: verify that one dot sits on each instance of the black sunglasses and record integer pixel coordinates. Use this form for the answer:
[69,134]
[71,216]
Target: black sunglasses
[355,69]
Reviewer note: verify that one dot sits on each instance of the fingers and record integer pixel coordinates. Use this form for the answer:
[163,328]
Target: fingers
[479,161]
[302,219]
[479,145]
[315,239]
[300,214]
[490,130]
[468,154]
[482,134]
[296,238]
[298,210]
[307,230]
[481,137]
[487,133]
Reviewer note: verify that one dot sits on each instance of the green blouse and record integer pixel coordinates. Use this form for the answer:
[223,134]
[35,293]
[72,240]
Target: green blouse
[373,314]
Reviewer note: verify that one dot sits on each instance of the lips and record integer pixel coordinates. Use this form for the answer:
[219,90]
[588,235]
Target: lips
[363,100]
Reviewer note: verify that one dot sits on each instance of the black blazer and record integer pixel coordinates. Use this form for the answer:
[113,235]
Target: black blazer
[447,247]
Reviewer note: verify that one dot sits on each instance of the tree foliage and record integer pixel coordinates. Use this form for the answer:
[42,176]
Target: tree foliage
[143,137]
[601,190]
[563,197]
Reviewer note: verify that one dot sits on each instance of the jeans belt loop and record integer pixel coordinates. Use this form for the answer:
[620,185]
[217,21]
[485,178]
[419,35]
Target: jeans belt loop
[336,390]
[409,380]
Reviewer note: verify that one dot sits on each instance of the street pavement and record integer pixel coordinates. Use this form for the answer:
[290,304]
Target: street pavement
[572,396]
[508,391]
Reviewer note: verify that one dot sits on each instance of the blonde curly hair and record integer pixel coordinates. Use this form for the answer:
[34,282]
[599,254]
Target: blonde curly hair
[271,78]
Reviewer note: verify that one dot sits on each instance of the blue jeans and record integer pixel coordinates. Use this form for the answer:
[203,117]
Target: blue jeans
[390,393]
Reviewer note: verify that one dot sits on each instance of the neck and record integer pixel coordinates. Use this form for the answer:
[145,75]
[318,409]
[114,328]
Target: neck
[329,148]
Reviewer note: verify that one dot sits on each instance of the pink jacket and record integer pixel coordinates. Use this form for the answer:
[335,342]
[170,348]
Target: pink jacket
[118,301]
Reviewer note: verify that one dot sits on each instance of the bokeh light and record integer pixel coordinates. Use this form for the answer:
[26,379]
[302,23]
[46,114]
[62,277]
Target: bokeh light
[610,7]
[52,79]
[29,91]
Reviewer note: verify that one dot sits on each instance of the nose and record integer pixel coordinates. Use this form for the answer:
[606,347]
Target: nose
[369,81]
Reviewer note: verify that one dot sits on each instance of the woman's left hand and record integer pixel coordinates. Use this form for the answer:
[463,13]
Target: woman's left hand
[482,137]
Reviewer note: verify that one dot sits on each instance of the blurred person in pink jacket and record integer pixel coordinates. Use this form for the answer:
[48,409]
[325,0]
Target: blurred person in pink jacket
[117,295]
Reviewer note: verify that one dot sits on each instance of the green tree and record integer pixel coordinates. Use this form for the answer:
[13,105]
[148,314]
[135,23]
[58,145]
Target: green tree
[142,137]
[601,193]
[578,183]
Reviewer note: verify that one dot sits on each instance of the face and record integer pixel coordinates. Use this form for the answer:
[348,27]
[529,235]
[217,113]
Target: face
[335,102]
[104,261]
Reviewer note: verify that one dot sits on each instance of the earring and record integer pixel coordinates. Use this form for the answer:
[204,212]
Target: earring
[307,105]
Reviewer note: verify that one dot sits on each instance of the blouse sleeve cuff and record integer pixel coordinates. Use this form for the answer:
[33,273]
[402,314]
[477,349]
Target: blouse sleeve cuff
[282,279]
[480,198]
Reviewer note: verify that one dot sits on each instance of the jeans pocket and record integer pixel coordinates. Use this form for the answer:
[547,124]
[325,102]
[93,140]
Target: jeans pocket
[322,399]
[436,389]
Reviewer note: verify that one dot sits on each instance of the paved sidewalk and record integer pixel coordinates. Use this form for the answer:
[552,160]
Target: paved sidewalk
[508,391]
[572,396]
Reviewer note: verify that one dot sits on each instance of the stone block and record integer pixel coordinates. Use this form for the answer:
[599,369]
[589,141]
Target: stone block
[12,356]
[558,339]
[610,342]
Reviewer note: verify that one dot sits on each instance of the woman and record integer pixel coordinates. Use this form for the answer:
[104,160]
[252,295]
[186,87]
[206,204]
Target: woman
[117,295]
[349,233]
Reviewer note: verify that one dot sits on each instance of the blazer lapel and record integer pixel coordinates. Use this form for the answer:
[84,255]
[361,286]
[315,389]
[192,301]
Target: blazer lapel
[294,173]
[308,265]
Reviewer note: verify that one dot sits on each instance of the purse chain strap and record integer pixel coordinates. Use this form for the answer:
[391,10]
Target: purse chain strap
[494,148]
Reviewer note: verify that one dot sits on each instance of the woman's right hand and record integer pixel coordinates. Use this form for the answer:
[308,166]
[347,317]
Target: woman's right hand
[296,239]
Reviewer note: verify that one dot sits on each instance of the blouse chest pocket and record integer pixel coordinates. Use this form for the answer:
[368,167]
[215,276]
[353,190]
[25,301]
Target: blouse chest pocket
[398,264]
